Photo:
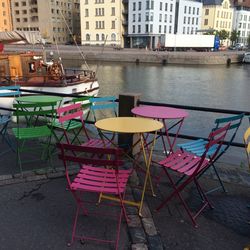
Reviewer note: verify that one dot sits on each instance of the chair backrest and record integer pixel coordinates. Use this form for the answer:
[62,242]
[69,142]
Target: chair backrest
[32,112]
[68,114]
[246,139]
[10,91]
[85,102]
[100,106]
[70,153]
[215,140]
[235,122]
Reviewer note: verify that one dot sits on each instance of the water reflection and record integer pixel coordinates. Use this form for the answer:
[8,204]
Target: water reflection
[210,86]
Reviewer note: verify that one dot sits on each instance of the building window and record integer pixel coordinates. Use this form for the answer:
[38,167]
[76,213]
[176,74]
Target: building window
[86,2]
[193,10]
[160,5]
[134,6]
[165,18]
[165,28]
[159,28]
[170,29]
[139,17]
[192,20]
[133,17]
[25,20]
[147,5]
[17,12]
[139,6]
[97,37]
[166,6]
[197,20]
[113,11]
[147,16]
[113,25]
[86,12]
[206,22]
[146,28]
[133,28]
[113,37]
[87,25]
[151,28]
[152,5]
[184,20]
[24,11]
[87,37]
[189,10]
[16,4]
[160,18]
[171,7]
[207,12]
[103,37]
[183,30]
[170,19]
[198,10]
[139,28]
[23,3]
[185,10]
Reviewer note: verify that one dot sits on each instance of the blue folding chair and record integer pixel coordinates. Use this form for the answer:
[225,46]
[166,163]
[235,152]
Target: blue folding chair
[5,92]
[198,146]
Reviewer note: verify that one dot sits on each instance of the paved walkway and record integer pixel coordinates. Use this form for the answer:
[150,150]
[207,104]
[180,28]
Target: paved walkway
[37,212]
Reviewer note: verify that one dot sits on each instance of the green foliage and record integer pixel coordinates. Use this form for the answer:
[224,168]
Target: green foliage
[223,34]
[248,41]
[234,36]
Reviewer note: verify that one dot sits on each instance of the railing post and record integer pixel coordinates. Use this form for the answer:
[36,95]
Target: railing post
[127,101]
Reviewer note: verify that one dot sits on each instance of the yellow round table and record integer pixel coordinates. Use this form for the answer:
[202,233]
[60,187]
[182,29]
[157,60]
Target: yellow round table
[134,125]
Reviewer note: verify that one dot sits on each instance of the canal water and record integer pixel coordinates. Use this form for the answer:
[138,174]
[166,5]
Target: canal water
[213,86]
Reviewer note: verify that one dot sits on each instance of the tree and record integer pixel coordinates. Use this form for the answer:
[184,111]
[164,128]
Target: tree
[234,36]
[248,41]
[223,34]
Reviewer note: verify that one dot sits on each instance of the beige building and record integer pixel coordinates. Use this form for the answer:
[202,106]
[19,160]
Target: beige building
[53,18]
[103,22]
[5,16]
[217,15]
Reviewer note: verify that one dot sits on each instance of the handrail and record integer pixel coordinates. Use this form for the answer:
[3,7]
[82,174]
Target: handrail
[203,109]
[213,110]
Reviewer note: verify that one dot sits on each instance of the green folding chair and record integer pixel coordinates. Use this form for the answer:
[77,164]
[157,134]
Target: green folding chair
[32,120]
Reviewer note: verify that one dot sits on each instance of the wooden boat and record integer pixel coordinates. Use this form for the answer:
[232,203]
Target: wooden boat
[32,72]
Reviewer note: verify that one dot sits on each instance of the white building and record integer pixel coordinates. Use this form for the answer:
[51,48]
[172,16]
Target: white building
[241,23]
[189,16]
[148,20]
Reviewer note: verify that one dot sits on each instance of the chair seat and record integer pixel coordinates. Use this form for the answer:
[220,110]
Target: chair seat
[98,143]
[32,132]
[183,162]
[197,147]
[100,180]
[67,125]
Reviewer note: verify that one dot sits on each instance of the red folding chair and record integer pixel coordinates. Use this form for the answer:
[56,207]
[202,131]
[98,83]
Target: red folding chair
[189,166]
[101,176]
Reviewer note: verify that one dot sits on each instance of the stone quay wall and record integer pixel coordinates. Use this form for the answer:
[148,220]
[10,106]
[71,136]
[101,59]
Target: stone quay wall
[142,56]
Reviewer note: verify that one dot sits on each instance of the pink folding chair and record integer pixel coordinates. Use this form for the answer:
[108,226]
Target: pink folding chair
[189,166]
[71,119]
[101,176]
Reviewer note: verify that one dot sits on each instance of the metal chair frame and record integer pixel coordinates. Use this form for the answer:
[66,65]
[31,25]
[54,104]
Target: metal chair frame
[198,147]
[190,166]
[101,176]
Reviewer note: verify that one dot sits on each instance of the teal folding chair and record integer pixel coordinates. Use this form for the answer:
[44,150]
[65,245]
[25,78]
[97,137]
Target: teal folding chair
[32,120]
[197,147]
[5,92]
[102,107]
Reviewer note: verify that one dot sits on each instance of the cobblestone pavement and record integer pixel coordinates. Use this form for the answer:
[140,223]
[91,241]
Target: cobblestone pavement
[37,211]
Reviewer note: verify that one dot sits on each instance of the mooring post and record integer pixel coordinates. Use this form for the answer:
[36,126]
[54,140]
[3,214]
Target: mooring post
[127,101]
